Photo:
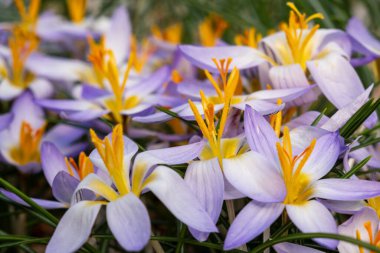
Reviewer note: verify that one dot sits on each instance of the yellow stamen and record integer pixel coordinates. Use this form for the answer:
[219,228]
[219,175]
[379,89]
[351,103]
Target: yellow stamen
[211,29]
[299,36]
[171,34]
[112,154]
[140,57]
[372,240]
[77,10]
[176,77]
[83,167]
[28,149]
[28,16]
[249,38]
[276,120]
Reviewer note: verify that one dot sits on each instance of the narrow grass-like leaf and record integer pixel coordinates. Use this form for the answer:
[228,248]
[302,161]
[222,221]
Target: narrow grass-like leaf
[316,121]
[355,168]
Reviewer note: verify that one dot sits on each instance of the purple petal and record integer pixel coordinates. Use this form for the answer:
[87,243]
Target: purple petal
[65,105]
[84,116]
[128,219]
[292,76]
[249,174]
[323,156]
[261,106]
[52,161]
[181,202]
[152,83]
[346,189]
[64,186]
[260,135]
[242,57]
[252,220]
[8,91]
[286,247]
[64,135]
[191,88]
[74,228]
[313,217]
[205,179]
[89,92]
[118,35]
[286,95]
[306,119]
[47,204]
[5,120]
[345,207]
[159,116]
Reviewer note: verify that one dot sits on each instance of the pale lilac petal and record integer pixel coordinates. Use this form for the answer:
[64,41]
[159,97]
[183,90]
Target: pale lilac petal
[313,217]
[65,105]
[64,186]
[252,220]
[323,156]
[285,94]
[306,119]
[260,134]
[292,76]
[302,136]
[83,116]
[261,106]
[181,202]
[346,189]
[74,228]
[345,207]
[159,116]
[150,84]
[191,88]
[5,120]
[286,247]
[341,86]
[90,92]
[138,110]
[230,192]
[63,135]
[8,91]
[205,179]
[128,219]
[250,172]
[356,224]
[118,35]
[242,57]
[41,88]
[363,40]
[47,204]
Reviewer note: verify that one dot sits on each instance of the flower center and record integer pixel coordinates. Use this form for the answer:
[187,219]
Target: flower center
[83,167]
[111,150]
[374,203]
[373,240]
[171,34]
[105,67]
[211,132]
[298,36]
[296,182]
[28,149]
[211,29]
[77,10]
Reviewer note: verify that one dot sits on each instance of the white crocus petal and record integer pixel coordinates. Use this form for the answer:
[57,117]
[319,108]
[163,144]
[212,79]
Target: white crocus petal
[286,247]
[313,217]
[250,172]
[129,222]
[180,199]
[206,177]
[8,91]
[74,228]
[96,184]
[41,88]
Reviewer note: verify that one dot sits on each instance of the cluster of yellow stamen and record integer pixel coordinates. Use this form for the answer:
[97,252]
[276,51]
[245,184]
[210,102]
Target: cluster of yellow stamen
[28,149]
[299,36]
[211,29]
[28,15]
[374,203]
[171,34]
[111,150]
[140,57]
[77,10]
[83,167]
[211,132]
[372,240]
[250,38]
[105,66]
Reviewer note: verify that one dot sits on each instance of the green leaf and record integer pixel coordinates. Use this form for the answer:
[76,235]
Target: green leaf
[316,121]
[355,168]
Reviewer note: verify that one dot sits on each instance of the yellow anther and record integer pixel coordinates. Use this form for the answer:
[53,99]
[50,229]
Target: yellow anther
[140,57]
[28,16]
[299,36]
[211,29]
[111,150]
[176,77]
[83,167]
[28,149]
[77,10]
[296,182]
[171,34]
[249,38]
[276,120]
[373,240]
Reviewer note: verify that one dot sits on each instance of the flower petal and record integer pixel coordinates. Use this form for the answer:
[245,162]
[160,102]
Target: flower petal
[252,220]
[181,202]
[346,189]
[129,222]
[250,172]
[364,42]
[74,228]
[64,186]
[47,204]
[205,179]
[345,207]
[313,217]
[261,106]
[286,247]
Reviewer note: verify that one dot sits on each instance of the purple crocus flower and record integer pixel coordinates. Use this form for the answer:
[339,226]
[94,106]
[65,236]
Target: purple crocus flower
[363,225]
[127,216]
[25,131]
[295,170]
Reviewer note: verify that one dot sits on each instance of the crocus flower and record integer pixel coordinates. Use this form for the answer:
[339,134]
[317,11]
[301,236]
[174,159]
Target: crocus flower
[364,226]
[291,247]
[285,58]
[25,132]
[295,170]
[127,216]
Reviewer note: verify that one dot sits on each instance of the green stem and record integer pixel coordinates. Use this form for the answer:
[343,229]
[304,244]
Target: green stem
[182,233]
[294,237]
